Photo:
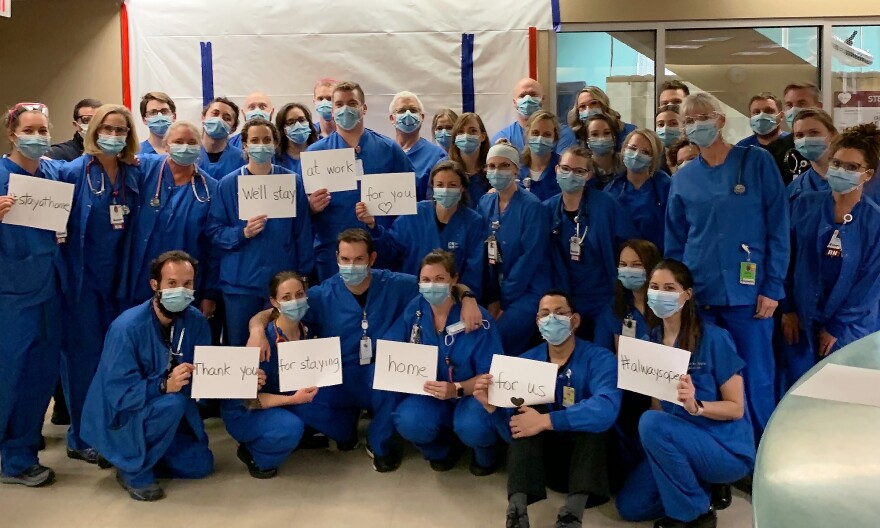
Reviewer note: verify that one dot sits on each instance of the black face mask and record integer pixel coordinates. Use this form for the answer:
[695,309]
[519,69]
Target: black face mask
[157,295]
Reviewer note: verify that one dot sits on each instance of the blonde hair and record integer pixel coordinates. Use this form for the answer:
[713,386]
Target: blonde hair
[597,94]
[700,101]
[183,124]
[90,141]
[540,115]
[656,146]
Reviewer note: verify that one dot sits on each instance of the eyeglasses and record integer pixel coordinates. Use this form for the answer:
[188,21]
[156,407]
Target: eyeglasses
[579,172]
[113,130]
[633,148]
[29,107]
[84,119]
[690,120]
[545,313]
[846,165]
[154,113]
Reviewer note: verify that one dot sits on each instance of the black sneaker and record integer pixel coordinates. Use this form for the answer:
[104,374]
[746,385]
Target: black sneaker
[451,459]
[566,519]
[517,518]
[386,463]
[103,463]
[480,471]
[245,456]
[33,477]
[721,496]
[707,520]
[149,493]
[89,455]
[314,441]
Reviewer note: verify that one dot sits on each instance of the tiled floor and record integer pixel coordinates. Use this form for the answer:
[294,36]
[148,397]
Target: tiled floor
[314,489]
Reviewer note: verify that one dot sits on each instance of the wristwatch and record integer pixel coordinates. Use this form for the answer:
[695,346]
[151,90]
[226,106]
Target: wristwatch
[469,294]
[163,386]
[699,409]
[459,390]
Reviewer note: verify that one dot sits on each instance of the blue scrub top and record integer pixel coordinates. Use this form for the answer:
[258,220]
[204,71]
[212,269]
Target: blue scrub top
[274,335]
[379,155]
[292,164]
[707,223]
[231,160]
[808,181]
[147,147]
[752,141]
[235,141]
[423,156]
[516,135]
[711,366]
[646,206]
[545,187]
[478,185]
[468,355]
[247,264]
[608,325]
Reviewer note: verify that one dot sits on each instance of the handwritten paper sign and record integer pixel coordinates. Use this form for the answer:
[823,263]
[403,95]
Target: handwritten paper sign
[389,194]
[273,195]
[517,381]
[39,203]
[650,368]
[334,170]
[225,372]
[842,383]
[309,363]
[404,367]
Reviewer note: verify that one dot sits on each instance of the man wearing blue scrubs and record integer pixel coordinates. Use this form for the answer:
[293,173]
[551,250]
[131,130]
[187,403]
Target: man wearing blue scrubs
[322,97]
[528,97]
[376,154]
[257,104]
[765,111]
[158,111]
[407,115]
[219,157]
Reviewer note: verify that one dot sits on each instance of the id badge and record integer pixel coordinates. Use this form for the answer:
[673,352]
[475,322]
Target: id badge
[567,396]
[117,217]
[574,248]
[415,335]
[629,328]
[494,256]
[747,273]
[60,237]
[366,351]
[834,248]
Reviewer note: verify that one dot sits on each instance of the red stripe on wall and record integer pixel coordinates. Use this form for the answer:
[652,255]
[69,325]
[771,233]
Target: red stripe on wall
[126,62]
[533,52]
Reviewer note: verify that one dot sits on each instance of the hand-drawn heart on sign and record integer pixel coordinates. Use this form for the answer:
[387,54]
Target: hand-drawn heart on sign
[385,207]
[517,401]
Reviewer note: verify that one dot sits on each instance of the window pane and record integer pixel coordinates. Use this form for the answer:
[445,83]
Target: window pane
[855,75]
[736,63]
[620,63]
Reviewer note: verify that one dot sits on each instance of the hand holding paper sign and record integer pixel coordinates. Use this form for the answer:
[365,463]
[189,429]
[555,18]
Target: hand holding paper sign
[650,368]
[517,382]
[329,170]
[39,203]
[404,367]
[269,195]
[360,210]
[389,194]
[5,205]
[255,226]
[179,378]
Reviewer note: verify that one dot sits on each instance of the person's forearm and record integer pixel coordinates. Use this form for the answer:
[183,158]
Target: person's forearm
[722,410]
[267,401]
[260,320]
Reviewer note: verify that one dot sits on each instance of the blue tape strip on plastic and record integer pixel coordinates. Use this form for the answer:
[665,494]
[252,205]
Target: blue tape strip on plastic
[207,73]
[557,19]
[468,98]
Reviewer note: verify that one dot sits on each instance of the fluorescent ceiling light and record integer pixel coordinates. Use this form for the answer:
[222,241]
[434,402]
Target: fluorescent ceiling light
[684,46]
[711,39]
[754,53]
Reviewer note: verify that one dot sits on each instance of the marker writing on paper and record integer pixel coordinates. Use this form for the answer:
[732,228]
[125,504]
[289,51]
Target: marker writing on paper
[406,368]
[531,388]
[311,364]
[248,372]
[395,195]
[658,374]
[202,370]
[47,202]
[332,169]
[261,192]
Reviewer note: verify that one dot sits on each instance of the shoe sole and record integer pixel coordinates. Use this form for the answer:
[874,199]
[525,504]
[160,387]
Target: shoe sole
[135,496]
[43,483]
[74,455]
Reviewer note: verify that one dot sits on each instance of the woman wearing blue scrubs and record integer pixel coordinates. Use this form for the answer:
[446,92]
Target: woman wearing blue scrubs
[30,306]
[813,131]
[667,125]
[447,415]
[539,157]
[727,219]
[106,197]
[294,121]
[445,222]
[643,190]
[219,157]
[441,128]
[601,133]
[705,440]
[252,251]
[516,250]
[172,213]
[470,144]
[587,227]
[833,290]
[591,101]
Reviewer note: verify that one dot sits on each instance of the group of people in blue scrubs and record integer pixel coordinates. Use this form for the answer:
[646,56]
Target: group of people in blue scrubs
[548,241]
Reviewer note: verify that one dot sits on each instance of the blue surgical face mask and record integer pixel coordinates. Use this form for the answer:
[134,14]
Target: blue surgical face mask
[499,180]
[703,133]
[347,117]
[111,145]
[601,146]
[762,124]
[528,105]
[353,274]
[294,309]
[664,303]
[434,292]
[467,143]
[540,145]
[255,113]
[158,124]
[790,114]
[555,329]
[668,135]
[843,181]
[632,278]
[443,137]
[216,128]
[447,197]
[811,148]
[583,115]
[33,146]
[324,108]
[298,132]
[636,161]
[176,299]
[261,153]
[569,182]
[184,155]
[408,122]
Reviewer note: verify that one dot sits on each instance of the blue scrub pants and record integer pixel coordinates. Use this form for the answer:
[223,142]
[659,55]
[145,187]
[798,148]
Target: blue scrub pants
[517,327]
[683,459]
[29,361]
[87,323]
[172,443]
[269,434]
[754,344]
[335,410]
[430,424]
[239,310]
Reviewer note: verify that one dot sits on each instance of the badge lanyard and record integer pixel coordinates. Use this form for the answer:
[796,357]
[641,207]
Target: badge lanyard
[576,242]
[281,338]
[493,252]
[366,347]
[748,270]
[835,246]
[415,335]
[118,211]
[172,354]
[567,390]
[629,327]
[155,202]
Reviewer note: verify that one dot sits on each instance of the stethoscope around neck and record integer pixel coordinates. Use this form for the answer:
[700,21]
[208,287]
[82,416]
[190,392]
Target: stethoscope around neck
[156,202]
